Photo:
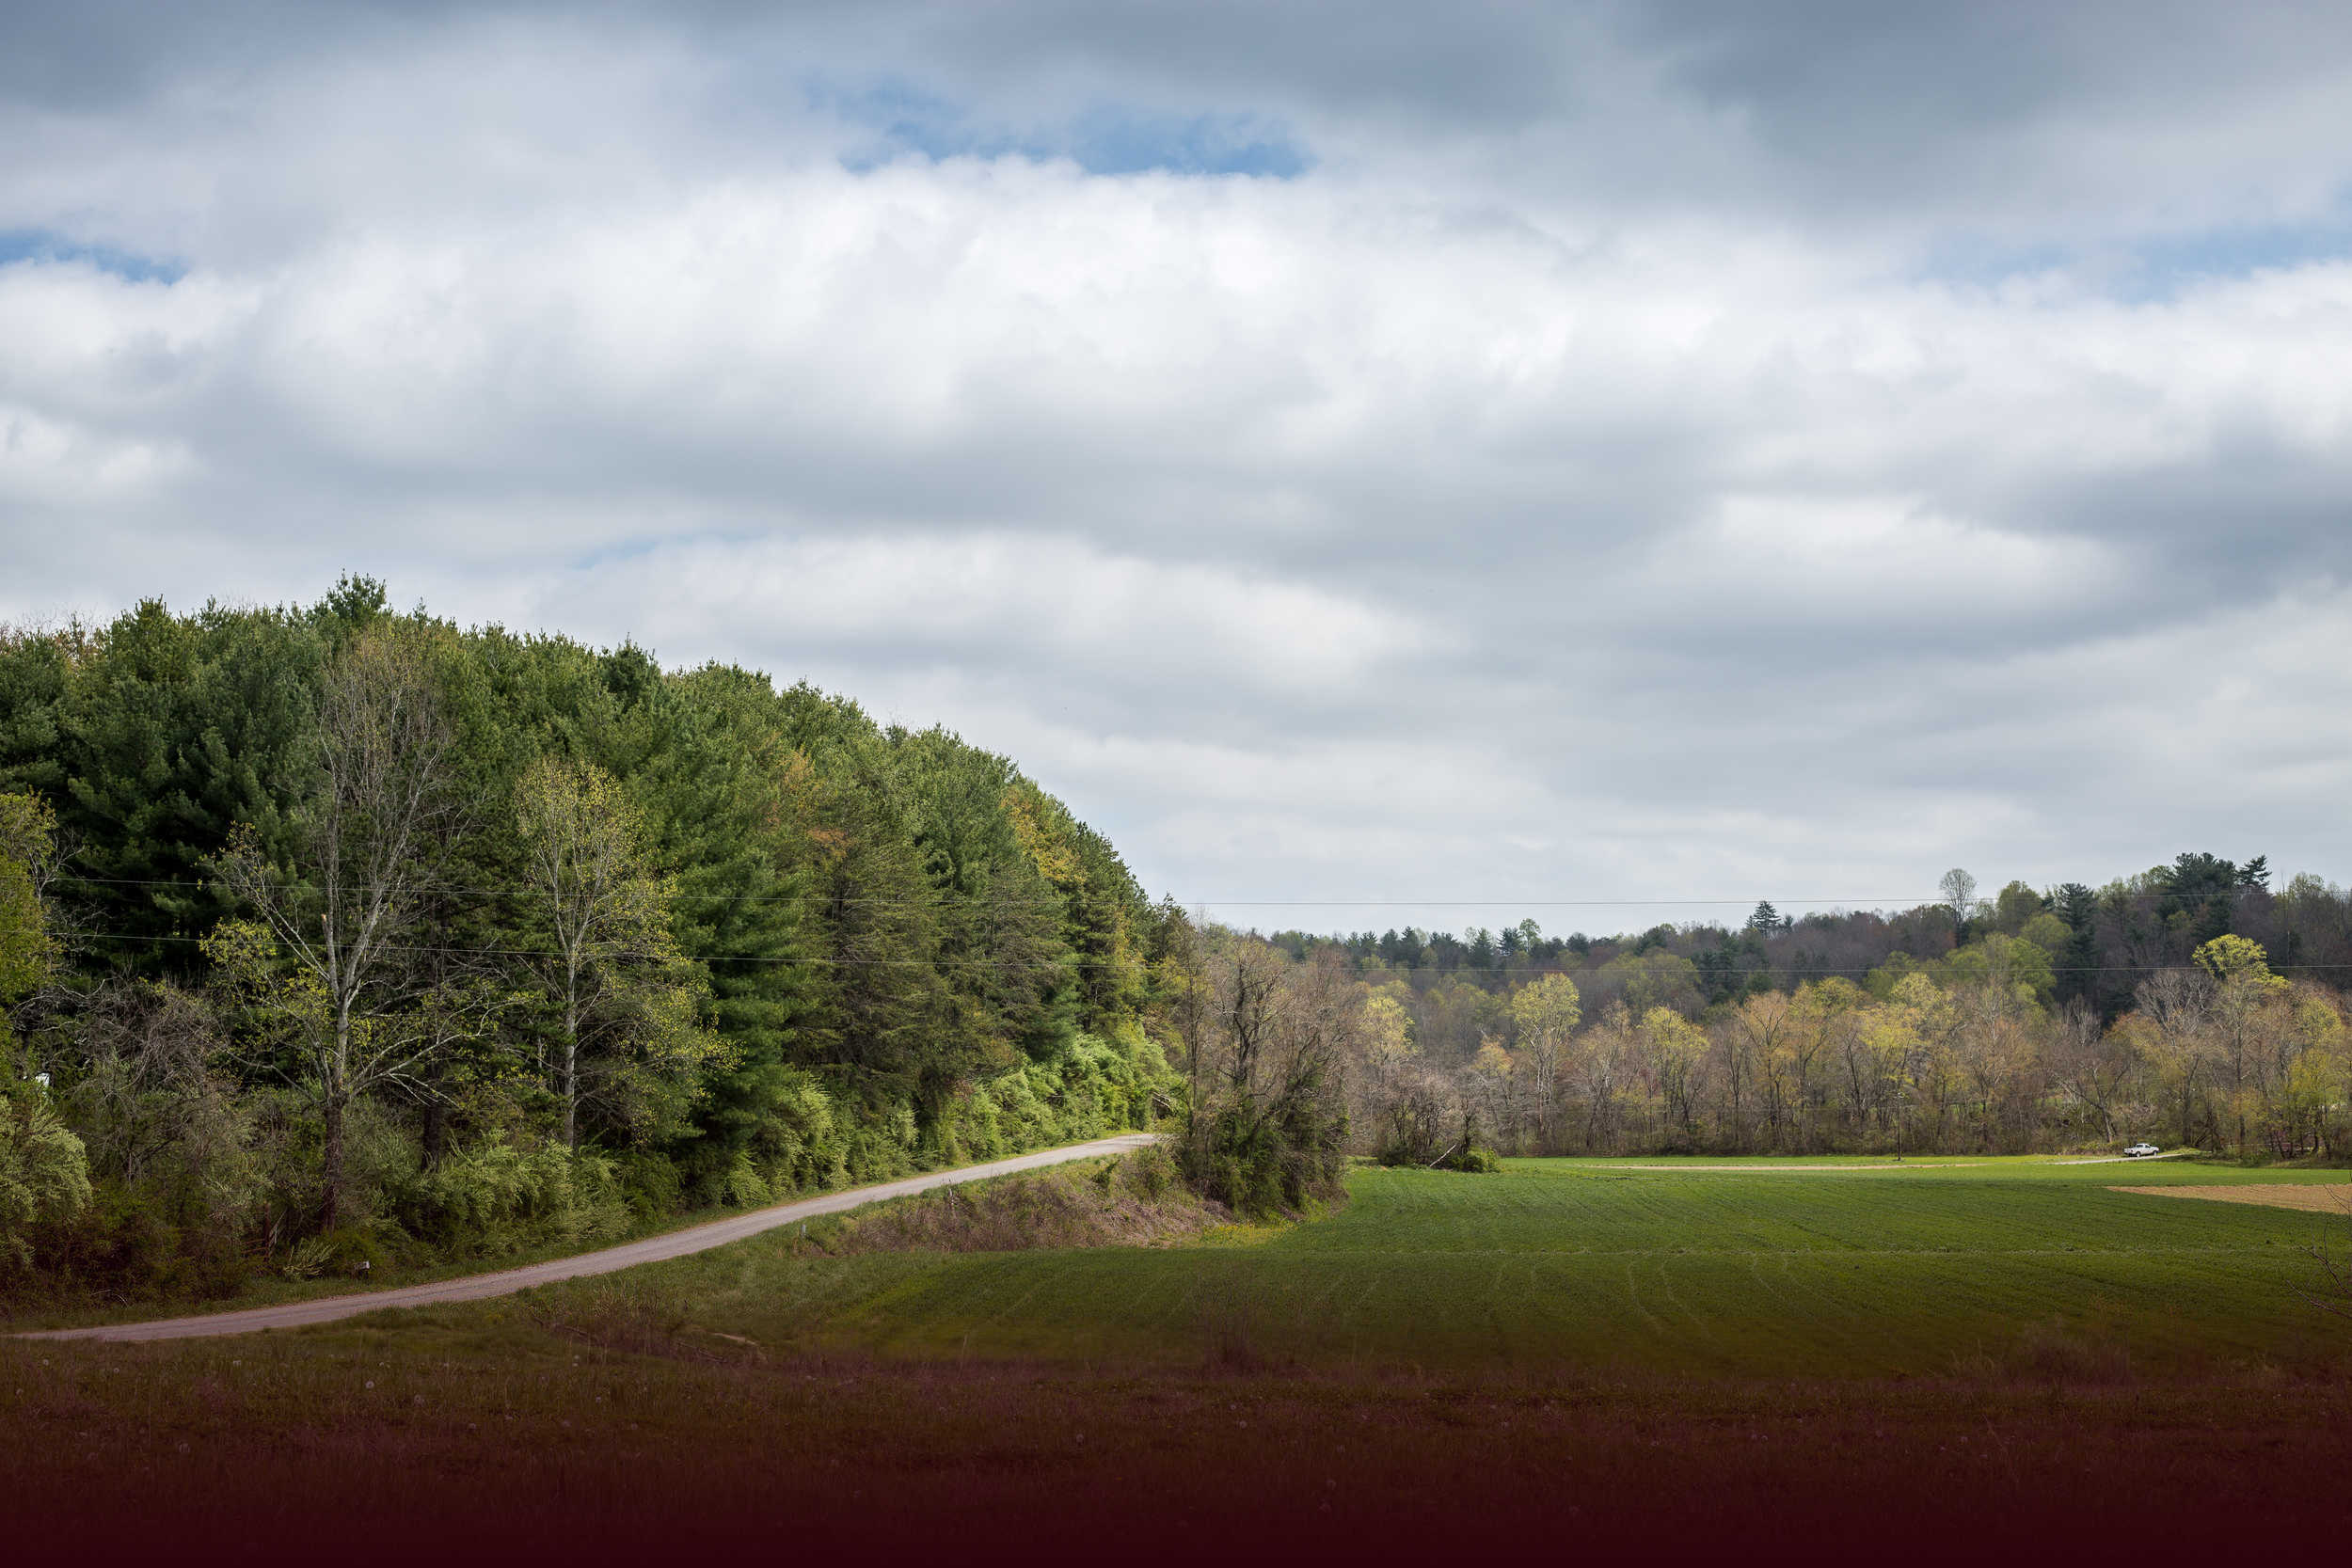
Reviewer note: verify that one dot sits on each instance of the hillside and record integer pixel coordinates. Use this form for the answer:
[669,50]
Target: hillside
[448,942]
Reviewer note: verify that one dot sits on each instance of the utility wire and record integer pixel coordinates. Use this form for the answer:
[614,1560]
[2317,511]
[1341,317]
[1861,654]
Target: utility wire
[826,960]
[1857,904]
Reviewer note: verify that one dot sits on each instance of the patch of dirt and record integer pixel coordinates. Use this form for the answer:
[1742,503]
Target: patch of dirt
[2333,1198]
[1803,1170]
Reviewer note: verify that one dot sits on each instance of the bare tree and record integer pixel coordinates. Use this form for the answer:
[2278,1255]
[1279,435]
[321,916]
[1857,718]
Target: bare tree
[381,815]
[2178,1005]
[2094,1063]
[1960,894]
[151,1093]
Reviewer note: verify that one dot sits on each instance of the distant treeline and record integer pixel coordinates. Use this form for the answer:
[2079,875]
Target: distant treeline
[2191,1003]
[2099,943]
[330,931]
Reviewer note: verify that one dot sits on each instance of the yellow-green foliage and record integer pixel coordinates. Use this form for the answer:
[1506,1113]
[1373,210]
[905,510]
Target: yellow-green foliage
[45,1176]
[1098,1086]
[496,1195]
[26,829]
[803,1147]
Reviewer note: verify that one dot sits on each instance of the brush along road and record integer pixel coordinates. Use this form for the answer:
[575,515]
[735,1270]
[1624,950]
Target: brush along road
[653,1250]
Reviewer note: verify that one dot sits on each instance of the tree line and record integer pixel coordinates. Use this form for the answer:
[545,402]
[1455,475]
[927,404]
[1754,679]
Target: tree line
[2159,1005]
[329,931]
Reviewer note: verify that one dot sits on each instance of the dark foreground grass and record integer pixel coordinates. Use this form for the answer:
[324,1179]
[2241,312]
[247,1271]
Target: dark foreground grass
[1924,1364]
[354,1448]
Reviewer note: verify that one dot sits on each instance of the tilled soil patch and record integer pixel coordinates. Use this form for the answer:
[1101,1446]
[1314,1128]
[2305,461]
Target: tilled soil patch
[2331,1198]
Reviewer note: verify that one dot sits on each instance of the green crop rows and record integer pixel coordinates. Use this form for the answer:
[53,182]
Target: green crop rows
[1764,1269]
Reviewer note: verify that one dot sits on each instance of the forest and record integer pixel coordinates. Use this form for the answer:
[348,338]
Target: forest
[2190,1003]
[333,935]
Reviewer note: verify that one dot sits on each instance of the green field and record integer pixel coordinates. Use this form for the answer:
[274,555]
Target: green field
[1747,1268]
[1992,1356]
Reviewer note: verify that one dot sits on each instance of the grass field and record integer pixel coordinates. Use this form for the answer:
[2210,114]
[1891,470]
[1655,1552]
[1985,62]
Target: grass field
[1764,1268]
[1952,1359]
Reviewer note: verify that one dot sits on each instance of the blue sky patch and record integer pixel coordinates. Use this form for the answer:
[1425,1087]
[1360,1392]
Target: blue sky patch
[44,244]
[1106,139]
[2233,252]
[2150,268]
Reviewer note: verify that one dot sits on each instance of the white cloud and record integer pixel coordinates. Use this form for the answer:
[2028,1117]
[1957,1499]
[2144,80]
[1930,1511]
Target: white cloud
[1527,501]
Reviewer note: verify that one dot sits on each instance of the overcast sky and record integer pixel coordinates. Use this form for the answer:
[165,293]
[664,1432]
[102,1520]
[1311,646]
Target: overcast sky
[1515,455]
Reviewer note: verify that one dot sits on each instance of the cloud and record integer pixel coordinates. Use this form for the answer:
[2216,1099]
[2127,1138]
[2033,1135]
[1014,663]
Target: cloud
[1683,450]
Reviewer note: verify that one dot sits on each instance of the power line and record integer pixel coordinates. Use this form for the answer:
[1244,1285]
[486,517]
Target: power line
[526,891]
[819,958]
[1859,903]
[837,962]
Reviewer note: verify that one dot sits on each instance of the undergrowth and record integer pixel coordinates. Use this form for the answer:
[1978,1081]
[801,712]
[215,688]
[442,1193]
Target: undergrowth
[1129,1200]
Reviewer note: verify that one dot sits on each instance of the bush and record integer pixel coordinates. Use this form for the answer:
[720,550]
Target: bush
[1129,1201]
[1268,1160]
[496,1197]
[44,1173]
[650,1183]
[801,1144]
[745,1188]
[1413,1123]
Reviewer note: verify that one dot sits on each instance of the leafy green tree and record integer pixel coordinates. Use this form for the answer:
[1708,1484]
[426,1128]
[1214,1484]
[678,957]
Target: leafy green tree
[44,1172]
[2251,1014]
[999,918]
[2013,906]
[27,830]
[2014,968]
[2201,893]
[1547,1012]
[627,1040]
[2075,962]
[709,755]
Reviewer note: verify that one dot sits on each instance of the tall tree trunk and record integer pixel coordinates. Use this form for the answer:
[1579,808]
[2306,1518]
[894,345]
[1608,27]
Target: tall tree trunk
[571,1058]
[334,1100]
[331,1164]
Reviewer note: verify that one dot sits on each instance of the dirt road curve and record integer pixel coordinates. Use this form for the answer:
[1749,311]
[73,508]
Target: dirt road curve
[653,1250]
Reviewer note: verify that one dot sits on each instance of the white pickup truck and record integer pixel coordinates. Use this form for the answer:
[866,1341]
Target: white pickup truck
[2141,1151]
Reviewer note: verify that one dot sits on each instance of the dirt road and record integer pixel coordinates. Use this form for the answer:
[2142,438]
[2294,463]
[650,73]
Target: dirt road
[653,1250]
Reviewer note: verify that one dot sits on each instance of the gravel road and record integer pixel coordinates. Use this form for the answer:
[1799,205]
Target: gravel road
[653,1250]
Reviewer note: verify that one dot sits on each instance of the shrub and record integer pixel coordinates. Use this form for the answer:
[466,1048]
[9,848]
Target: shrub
[650,1183]
[745,1188]
[802,1144]
[1413,1123]
[1129,1201]
[496,1195]
[44,1172]
[1268,1159]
